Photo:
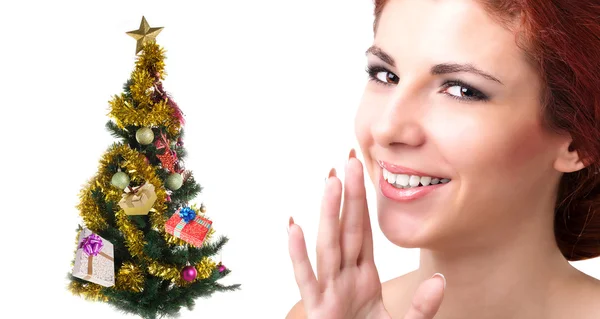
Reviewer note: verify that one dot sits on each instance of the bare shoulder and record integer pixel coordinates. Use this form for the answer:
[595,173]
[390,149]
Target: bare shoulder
[297,311]
[579,299]
[590,298]
[397,294]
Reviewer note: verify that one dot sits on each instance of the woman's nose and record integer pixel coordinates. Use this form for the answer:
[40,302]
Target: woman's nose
[400,121]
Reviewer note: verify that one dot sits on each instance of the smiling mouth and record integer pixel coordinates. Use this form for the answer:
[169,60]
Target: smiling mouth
[404,181]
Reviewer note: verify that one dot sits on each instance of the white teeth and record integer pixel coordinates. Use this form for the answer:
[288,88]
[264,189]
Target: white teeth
[409,181]
[414,180]
[392,178]
[402,179]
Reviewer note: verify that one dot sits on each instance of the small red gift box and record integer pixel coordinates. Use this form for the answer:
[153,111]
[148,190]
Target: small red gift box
[193,232]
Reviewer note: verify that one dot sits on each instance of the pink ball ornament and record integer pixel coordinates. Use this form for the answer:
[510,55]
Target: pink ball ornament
[189,273]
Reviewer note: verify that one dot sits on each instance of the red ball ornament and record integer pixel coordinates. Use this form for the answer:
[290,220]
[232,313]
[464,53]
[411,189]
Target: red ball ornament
[189,273]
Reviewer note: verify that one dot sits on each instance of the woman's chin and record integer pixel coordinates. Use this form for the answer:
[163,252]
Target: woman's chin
[406,230]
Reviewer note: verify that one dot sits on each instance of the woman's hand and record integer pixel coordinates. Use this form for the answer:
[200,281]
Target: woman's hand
[347,284]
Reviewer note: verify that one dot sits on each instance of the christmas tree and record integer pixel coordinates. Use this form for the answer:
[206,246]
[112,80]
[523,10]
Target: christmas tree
[143,247]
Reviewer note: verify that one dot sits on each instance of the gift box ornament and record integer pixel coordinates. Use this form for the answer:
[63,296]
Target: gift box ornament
[188,226]
[139,201]
[94,259]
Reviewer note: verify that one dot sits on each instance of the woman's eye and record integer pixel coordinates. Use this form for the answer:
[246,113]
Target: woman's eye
[461,91]
[387,77]
[382,75]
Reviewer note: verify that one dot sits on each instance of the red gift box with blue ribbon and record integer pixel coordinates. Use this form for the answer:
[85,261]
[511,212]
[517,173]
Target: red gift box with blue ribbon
[189,226]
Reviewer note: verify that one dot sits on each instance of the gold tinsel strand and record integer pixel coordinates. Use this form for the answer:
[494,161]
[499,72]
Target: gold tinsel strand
[205,268]
[153,58]
[134,238]
[142,88]
[161,114]
[172,273]
[89,291]
[165,272]
[130,277]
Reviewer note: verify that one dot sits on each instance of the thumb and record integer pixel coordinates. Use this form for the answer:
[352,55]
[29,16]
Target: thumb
[428,298]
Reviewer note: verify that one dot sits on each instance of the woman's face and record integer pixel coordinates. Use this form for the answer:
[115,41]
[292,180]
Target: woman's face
[453,98]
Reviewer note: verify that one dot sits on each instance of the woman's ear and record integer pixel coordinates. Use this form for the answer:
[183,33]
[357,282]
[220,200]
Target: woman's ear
[568,159]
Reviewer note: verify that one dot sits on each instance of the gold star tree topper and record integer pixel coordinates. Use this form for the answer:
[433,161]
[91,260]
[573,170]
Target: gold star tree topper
[144,34]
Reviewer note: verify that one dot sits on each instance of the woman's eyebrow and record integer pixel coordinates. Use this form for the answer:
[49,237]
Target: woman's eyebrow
[443,68]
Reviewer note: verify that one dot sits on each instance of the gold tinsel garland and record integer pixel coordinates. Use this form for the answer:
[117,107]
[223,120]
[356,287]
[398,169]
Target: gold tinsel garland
[88,290]
[204,269]
[159,114]
[142,88]
[153,58]
[130,277]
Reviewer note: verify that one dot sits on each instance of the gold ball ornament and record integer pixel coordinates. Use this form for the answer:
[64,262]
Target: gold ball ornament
[120,180]
[144,136]
[203,209]
[174,181]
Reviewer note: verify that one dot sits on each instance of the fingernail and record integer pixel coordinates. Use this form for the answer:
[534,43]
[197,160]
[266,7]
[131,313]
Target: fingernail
[332,172]
[442,276]
[352,154]
[290,224]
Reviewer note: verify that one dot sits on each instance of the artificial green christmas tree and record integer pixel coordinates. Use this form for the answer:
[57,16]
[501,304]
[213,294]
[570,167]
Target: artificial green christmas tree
[144,248]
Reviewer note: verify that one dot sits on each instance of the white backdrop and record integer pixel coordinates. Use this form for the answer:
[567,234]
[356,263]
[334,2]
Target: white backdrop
[269,89]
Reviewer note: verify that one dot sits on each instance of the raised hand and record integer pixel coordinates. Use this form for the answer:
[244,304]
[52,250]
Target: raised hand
[347,284]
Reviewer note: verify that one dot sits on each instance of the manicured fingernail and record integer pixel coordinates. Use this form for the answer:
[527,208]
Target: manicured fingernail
[291,221]
[332,172]
[442,276]
[352,154]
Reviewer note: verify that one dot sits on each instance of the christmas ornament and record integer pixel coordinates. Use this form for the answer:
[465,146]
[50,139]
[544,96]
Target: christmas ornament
[120,180]
[144,136]
[174,181]
[221,267]
[144,34]
[94,259]
[189,273]
[168,158]
[138,201]
[202,209]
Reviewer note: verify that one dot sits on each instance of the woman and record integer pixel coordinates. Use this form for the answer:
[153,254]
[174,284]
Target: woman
[480,129]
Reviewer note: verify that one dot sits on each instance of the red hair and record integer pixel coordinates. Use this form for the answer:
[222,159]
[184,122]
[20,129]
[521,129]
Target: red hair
[561,38]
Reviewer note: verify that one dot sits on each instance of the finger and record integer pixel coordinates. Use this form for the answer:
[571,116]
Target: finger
[427,299]
[355,204]
[328,238]
[366,251]
[303,272]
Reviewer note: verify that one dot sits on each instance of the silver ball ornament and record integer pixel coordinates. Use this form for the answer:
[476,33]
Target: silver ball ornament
[174,181]
[120,180]
[144,136]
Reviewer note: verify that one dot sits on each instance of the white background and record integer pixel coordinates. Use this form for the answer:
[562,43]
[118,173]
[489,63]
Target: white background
[269,90]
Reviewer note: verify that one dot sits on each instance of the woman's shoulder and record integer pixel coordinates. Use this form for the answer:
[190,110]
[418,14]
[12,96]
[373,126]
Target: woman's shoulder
[297,311]
[397,294]
[582,298]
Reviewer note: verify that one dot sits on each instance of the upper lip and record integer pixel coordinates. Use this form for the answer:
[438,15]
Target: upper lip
[397,169]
